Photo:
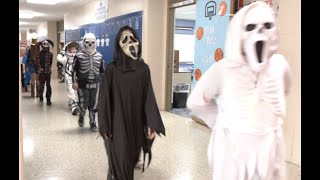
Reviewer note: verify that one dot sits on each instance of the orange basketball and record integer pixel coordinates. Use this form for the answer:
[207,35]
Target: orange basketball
[218,55]
[197,74]
[222,8]
[200,33]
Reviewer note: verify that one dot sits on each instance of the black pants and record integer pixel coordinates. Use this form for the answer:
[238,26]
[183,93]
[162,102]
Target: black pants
[88,99]
[45,78]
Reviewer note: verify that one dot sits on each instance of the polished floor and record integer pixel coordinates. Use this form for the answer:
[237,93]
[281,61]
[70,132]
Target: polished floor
[55,148]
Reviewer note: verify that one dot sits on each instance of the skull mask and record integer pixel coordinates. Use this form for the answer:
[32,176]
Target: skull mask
[89,43]
[259,37]
[45,44]
[129,44]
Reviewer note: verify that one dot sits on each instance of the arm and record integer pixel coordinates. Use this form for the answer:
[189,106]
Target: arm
[37,61]
[75,69]
[62,58]
[104,103]
[51,60]
[202,98]
[153,117]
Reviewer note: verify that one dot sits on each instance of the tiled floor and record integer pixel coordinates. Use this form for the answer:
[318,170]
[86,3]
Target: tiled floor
[55,148]
[185,112]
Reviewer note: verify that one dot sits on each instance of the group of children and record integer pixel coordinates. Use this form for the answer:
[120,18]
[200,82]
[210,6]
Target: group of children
[36,68]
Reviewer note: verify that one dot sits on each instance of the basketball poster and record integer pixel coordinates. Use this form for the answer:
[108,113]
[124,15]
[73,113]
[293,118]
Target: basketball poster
[211,26]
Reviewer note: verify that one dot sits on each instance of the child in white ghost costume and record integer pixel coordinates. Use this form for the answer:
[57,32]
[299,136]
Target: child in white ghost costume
[66,57]
[242,99]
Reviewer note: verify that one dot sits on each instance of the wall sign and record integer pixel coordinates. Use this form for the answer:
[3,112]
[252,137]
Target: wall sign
[102,9]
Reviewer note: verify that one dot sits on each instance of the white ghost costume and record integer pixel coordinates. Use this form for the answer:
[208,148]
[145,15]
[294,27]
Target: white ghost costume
[242,99]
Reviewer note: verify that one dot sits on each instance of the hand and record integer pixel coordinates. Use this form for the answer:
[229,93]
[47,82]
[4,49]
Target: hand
[105,137]
[151,134]
[40,69]
[75,86]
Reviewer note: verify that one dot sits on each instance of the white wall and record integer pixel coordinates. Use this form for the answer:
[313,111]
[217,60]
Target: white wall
[42,29]
[86,14]
[153,33]
[53,36]
[289,20]
[154,37]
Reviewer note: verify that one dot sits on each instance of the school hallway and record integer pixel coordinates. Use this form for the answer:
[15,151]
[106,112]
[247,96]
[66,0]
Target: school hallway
[56,148]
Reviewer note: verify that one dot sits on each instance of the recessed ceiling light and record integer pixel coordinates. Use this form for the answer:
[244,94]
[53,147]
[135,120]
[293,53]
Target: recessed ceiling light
[48,2]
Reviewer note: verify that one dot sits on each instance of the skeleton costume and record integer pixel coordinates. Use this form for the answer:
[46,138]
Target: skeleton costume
[127,107]
[66,58]
[88,65]
[244,103]
[44,63]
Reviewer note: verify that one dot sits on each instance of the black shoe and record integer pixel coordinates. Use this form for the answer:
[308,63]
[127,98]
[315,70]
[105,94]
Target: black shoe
[75,111]
[41,98]
[80,121]
[48,101]
[93,127]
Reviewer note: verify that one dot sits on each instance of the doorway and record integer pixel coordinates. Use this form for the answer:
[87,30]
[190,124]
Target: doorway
[182,34]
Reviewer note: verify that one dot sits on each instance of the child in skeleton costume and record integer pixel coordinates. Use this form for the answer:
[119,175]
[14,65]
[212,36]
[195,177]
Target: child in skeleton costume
[66,59]
[244,103]
[44,63]
[88,65]
[32,67]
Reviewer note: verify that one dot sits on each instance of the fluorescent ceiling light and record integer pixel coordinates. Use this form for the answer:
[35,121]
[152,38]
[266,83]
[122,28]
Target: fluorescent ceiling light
[26,15]
[22,23]
[48,2]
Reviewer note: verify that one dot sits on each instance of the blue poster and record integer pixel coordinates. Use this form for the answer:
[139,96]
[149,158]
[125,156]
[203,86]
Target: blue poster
[106,32]
[211,26]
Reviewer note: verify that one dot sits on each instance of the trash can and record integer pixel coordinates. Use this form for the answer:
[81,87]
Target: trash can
[180,95]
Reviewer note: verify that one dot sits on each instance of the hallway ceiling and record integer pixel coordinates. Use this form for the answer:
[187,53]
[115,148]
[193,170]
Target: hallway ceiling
[47,12]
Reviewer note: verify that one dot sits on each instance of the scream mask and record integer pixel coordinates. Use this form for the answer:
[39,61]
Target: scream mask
[89,43]
[45,44]
[129,44]
[259,37]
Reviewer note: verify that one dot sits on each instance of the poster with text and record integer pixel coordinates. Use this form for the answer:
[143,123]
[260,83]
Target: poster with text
[211,26]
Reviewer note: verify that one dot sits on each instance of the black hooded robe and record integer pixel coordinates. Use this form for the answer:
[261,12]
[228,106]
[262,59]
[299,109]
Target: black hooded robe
[127,106]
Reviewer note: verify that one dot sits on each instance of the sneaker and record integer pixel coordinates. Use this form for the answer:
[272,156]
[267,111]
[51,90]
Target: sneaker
[75,111]
[80,121]
[93,127]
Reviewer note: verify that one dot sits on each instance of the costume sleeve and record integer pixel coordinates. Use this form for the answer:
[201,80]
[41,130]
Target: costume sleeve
[24,59]
[202,98]
[28,56]
[153,117]
[51,60]
[75,69]
[102,66]
[62,58]
[104,104]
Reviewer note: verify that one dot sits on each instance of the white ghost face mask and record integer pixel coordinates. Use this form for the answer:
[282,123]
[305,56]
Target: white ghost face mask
[89,43]
[129,44]
[259,36]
